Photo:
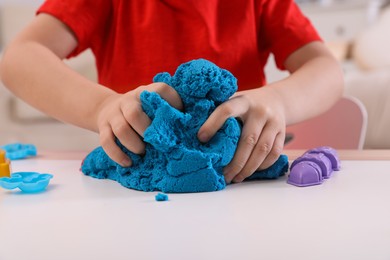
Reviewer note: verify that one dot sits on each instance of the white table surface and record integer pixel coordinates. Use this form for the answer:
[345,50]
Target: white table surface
[78,217]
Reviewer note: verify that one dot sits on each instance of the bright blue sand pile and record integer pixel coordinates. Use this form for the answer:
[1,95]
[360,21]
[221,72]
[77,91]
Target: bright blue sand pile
[175,160]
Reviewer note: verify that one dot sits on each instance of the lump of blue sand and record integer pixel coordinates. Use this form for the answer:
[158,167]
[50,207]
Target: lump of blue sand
[161,197]
[175,160]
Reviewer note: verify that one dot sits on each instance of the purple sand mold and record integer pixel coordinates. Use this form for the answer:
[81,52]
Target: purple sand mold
[318,158]
[305,173]
[313,166]
[330,153]
[175,160]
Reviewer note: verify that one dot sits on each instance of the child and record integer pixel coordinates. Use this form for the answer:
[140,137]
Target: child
[134,39]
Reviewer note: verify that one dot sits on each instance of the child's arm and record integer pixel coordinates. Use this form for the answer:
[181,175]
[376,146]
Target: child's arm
[314,86]
[33,70]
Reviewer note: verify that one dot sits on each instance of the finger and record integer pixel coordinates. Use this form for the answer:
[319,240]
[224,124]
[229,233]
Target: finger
[127,136]
[261,150]
[136,117]
[249,139]
[107,141]
[167,93]
[231,108]
[276,151]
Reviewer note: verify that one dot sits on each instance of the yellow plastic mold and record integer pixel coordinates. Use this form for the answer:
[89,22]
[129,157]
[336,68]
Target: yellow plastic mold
[5,167]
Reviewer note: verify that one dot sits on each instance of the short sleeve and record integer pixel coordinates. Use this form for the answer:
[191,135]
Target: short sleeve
[284,29]
[86,18]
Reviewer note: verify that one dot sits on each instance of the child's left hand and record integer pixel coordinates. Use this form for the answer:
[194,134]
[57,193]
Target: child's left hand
[262,114]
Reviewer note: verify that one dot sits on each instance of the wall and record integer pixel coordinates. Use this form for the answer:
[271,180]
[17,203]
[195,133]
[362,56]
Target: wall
[30,2]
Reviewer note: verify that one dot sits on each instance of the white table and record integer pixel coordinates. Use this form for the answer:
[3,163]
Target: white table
[78,217]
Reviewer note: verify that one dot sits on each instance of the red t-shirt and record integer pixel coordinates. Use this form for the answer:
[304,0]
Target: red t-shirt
[133,40]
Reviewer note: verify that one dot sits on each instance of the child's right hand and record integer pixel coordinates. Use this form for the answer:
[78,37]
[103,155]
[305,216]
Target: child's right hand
[121,116]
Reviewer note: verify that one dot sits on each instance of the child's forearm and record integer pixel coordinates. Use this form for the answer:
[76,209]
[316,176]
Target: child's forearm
[312,88]
[36,75]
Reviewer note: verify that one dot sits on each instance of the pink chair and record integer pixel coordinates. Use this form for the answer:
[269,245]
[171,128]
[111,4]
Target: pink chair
[341,127]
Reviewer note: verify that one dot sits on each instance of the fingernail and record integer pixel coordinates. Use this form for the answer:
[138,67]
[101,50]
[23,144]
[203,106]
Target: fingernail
[228,179]
[126,162]
[203,137]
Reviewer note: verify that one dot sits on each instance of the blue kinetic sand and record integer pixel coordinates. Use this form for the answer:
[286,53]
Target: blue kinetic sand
[26,181]
[17,151]
[175,160]
[161,197]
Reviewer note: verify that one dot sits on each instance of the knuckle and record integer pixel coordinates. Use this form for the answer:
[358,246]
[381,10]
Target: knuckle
[265,148]
[120,129]
[277,150]
[130,95]
[247,100]
[251,139]
[132,114]
[135,94]
[274,153]
[161,87]
[141,88]
[263,111]
[227,111]
[105,140]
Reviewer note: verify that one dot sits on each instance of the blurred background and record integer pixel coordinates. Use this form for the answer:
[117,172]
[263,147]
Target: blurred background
[356,31]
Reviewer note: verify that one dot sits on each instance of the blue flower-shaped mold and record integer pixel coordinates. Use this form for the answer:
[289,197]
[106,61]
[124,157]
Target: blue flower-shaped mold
[29,182]
[17,151]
